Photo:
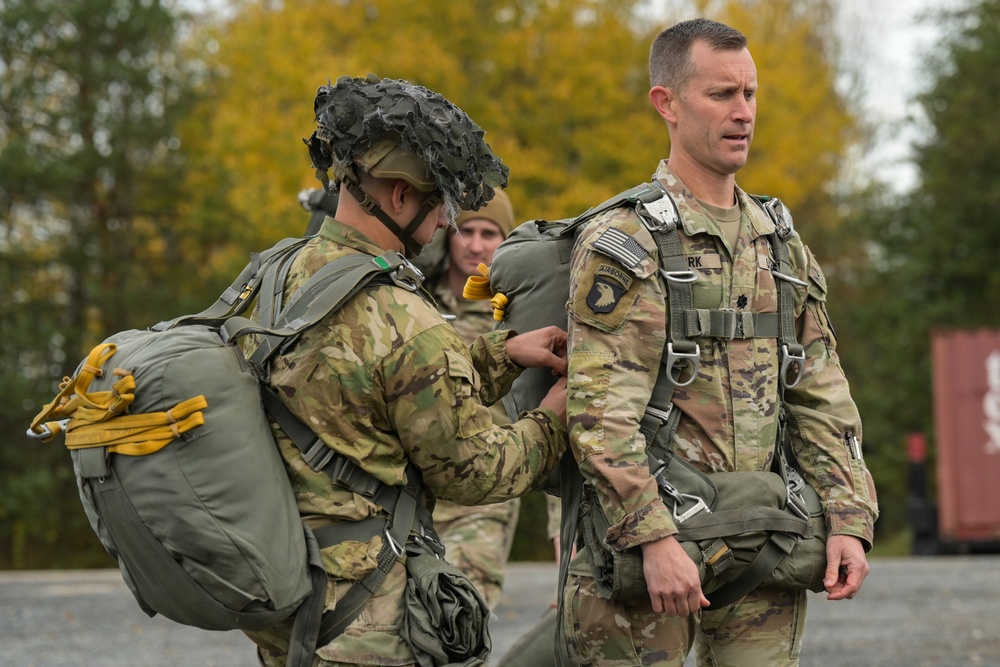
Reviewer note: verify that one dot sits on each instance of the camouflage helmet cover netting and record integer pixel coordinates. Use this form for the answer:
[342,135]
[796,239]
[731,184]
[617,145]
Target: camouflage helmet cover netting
[355,113]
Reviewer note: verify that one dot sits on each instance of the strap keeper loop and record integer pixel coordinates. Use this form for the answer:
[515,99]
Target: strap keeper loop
[318,456]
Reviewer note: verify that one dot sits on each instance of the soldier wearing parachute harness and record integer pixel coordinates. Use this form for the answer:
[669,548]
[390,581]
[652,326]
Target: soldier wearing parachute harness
[734,371]
[387,383]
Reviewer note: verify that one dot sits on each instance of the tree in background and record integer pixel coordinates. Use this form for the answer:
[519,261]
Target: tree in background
[560,88]
[88,92]
[933,252]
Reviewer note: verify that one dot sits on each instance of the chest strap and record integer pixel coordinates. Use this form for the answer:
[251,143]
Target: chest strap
[729,324]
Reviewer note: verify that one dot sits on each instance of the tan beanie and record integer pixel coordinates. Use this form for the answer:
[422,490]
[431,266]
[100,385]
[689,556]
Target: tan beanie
[498,211]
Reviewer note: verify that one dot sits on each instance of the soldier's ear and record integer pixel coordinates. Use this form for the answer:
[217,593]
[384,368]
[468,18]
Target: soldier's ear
[402,193]
[663,101]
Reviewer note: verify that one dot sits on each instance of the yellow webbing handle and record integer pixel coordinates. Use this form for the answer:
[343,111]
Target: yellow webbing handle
[477,288]
[97,419]
[72,392]
[499,302]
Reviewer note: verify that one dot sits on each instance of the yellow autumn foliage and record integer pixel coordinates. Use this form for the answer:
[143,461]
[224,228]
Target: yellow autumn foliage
[560,88]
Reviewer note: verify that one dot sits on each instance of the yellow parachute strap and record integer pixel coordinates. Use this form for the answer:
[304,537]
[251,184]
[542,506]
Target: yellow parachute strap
[136,435]
[98,419]
[477,288]
[73,392]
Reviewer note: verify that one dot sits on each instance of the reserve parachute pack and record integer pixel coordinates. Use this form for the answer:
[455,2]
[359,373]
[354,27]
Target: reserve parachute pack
[740,532]
[179,473]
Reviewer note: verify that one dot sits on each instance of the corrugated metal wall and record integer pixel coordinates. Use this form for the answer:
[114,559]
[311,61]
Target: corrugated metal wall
[967,426]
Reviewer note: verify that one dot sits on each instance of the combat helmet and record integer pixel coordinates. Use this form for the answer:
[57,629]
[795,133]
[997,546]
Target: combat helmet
[392,128]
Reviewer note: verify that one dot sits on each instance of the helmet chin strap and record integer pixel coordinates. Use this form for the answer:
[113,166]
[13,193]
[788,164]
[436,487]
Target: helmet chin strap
[403,234]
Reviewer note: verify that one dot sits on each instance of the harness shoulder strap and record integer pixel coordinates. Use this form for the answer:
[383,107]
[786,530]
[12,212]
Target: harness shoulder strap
[399,502]
[644,193]
[792,353]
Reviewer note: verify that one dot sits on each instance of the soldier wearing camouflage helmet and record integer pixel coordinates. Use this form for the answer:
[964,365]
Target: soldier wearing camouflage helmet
[385,381]
[703,84]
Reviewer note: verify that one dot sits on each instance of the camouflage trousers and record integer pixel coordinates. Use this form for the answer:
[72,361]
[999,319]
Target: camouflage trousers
[477,541]
[764,628]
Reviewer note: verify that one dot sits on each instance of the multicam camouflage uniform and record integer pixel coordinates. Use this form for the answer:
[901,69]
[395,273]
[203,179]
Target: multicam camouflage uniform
[618,321]
[477,539]
[386,381]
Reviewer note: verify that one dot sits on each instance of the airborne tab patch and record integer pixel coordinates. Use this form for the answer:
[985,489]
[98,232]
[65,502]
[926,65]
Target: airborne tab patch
[610,283]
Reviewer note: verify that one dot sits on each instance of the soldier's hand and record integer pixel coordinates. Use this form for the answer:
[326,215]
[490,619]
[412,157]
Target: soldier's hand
[555,400]
[538,348]
[846,567]
[671,578]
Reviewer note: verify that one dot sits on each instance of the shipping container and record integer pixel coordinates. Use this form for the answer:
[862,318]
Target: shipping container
[967,430]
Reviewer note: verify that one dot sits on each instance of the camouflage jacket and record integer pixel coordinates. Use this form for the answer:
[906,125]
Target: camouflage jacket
[386,381]
[729,414]
[472,319]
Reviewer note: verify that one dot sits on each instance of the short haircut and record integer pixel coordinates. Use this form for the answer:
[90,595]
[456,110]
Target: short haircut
[670,55]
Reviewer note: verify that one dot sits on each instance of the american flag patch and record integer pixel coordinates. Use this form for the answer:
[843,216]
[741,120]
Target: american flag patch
[619,245]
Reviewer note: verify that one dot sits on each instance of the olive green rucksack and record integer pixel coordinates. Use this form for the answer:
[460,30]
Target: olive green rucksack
[177,466]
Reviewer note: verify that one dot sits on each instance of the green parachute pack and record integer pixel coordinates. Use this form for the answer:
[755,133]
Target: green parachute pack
[741,533]
[178,470]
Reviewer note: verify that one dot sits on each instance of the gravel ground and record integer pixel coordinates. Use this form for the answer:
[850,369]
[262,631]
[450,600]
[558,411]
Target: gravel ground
[913,612]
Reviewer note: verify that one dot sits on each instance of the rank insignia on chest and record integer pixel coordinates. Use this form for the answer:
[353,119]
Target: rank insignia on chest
[610,284]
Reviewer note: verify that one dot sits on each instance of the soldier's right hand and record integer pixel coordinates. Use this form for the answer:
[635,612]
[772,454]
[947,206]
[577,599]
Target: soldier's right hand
[538,348]
[671,578]
[555,400]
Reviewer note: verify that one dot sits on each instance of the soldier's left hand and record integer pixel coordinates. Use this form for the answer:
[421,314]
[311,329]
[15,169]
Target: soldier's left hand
[846,567]
[538,348]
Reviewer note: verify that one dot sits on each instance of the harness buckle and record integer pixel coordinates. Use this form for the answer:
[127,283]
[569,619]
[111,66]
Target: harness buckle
[680,499]
[45,433]
[794,484]
[795,502]
[407,275]
[679,276]
[430,540]
[677,360]
[660,214]
[662,415]
[397,549]
[319,455]
[402,272]
[794,357]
